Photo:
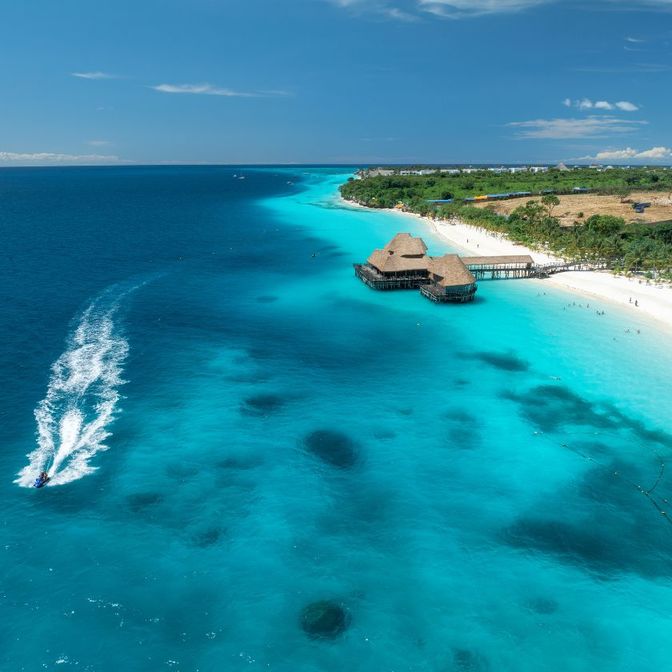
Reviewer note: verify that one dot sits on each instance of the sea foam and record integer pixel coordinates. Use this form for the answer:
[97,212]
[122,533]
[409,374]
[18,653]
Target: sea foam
[82,396]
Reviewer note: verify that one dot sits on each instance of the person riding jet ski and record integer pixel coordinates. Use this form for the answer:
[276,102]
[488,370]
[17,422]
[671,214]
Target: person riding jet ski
[41,479]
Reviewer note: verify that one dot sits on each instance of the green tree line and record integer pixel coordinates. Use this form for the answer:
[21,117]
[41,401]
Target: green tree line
[387,191]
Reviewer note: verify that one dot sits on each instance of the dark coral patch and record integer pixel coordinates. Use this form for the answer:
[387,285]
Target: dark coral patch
[464,438]
[463,428]
[141,501]
[239,463]
[460,416]
[550,407]
[573,543]
[332,447]
[324,619]
[502,361]
[207,537]
[465,660]
[251,377]
[262,404]
[608,523]
[543,605]
[622,549]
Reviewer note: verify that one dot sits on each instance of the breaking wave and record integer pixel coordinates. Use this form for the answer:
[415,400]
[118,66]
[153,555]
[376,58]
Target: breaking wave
[81,401]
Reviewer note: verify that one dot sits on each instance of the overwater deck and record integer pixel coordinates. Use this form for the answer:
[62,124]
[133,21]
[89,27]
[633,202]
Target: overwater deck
[372,277]
[437,294]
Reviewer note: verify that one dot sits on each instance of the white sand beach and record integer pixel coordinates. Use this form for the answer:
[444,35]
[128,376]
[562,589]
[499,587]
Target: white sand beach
[653,300]
[649,299]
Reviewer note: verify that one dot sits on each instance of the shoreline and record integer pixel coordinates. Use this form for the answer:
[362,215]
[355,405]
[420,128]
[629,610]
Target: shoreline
[652,300]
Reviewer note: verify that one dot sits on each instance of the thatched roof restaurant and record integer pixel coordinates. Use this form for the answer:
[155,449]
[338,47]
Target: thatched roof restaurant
[404,264]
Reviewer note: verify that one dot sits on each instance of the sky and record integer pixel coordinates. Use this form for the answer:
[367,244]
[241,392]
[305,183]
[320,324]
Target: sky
[335,81]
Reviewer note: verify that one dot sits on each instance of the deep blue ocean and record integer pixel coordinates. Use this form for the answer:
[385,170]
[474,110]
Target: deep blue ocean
[237,428]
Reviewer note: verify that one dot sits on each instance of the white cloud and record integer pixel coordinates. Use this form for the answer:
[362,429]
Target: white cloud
[206,89]
[399,14]
[381,8]
[653,4]
[654,154]
[455,9]
[588,104]
[566,129]
[615,154]
[458,9]
[50,159]
[637,68]
[93,75]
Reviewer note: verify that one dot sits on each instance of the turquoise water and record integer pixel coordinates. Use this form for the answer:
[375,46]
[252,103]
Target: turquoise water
[172,339]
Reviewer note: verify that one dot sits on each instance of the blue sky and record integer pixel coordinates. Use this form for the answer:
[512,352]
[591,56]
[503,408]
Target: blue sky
[335,81]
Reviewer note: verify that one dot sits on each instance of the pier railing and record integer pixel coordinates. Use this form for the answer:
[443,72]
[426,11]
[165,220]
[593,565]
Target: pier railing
[544,270]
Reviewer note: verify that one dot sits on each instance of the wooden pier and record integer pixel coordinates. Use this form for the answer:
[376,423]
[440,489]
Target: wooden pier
[501,267]
[522,266]
[546,270]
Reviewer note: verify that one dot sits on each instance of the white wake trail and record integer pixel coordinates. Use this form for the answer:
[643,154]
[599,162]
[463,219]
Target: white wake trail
[82,397]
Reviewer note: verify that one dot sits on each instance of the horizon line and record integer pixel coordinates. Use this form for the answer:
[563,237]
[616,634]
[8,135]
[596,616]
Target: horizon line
[336,164]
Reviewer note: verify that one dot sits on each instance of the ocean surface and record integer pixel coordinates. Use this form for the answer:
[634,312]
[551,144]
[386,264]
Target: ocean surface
[237,428]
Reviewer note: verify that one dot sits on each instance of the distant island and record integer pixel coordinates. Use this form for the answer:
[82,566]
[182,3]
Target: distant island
[616,216]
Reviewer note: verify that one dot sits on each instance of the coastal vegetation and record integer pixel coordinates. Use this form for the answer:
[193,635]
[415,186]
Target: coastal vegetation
[604,239]
[387,190]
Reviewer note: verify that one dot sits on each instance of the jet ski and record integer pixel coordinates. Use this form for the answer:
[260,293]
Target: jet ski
[41,480]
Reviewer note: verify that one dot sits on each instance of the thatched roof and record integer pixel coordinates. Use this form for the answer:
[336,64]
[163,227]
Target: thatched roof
[405,245]
[449,271]
[402,253]
[394,263]
[494,260]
